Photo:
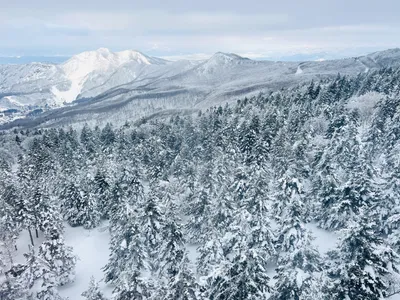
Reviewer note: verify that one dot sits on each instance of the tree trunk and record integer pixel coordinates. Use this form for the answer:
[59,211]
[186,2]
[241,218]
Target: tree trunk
[10,257]
[37,233]
[30,235]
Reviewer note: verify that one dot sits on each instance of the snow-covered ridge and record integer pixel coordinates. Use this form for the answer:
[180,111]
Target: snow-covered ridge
[103,72]
[102,59]
[78,68]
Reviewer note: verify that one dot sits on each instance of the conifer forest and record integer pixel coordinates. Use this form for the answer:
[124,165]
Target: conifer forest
[232,202]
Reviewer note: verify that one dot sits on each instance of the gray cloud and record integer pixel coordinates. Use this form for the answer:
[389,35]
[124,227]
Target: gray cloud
[171,28]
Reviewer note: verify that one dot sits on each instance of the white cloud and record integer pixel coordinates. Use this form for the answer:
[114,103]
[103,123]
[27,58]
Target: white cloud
[194,56]
[147,21]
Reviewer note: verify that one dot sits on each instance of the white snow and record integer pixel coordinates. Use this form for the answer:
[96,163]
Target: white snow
[67,96]
[324,240]
[299,70]
[102,59]
[193,253]
[79,67]
[301,276]
[365,104]
[92,249]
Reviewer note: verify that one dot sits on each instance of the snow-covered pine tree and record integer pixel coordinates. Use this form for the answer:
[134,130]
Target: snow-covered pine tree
[152,221]
[127,244]
[182,283]
[127,248]
[258,203]
[71,199]
[89,211]
[107,138]
[357,193]
[244,276]
[93,292]
[58,257]
[288,187]
[10,226]
[223,198]
[89,141]
[127,190]
[389,207]
[361,265]
[211,253]
[45,212]
[38,279]
[243,272]
[200,208]
[298,260]
[131,285]
[172,248]
[102,191]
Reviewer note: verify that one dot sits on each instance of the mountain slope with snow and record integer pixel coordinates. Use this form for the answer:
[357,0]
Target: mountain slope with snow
[59,84]
[104,81]
[94,68]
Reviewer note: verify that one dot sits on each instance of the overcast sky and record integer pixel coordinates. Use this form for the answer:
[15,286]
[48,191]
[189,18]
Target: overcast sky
[253,28]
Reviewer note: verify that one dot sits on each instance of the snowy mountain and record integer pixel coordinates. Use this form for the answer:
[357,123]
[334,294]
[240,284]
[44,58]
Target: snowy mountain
[101,81]
[38,85]
[93,68]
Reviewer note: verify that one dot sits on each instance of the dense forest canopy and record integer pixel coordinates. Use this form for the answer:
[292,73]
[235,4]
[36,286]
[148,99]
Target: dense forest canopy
[240,182]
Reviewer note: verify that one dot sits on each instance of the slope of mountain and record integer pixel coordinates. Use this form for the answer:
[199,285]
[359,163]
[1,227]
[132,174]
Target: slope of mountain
[39,85]
[130,85]
[93,68]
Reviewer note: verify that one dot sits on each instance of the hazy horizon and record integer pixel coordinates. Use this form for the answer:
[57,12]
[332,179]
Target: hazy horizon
[57,59]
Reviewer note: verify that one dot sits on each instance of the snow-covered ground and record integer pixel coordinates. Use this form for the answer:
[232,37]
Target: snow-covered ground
[324,240]
[91,247]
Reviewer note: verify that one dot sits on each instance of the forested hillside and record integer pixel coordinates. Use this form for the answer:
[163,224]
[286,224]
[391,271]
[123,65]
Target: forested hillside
[238,182]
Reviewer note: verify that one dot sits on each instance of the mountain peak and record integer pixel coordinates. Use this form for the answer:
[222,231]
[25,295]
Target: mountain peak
[101,59]
[133,55]
[221,58]
[103,51]
[79,67]
[227,57]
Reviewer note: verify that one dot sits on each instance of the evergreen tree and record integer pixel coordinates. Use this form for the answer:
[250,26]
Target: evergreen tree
[93,292]
[102,191]
[242,277]
[243,273]
[127,246]
[211,254]
[361,264]
[89,213]
[71,202]
[182,284]
[152,221]
[200,207]
[298,260]
[58,257]
[358,192]
[131,286]
[38,279]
